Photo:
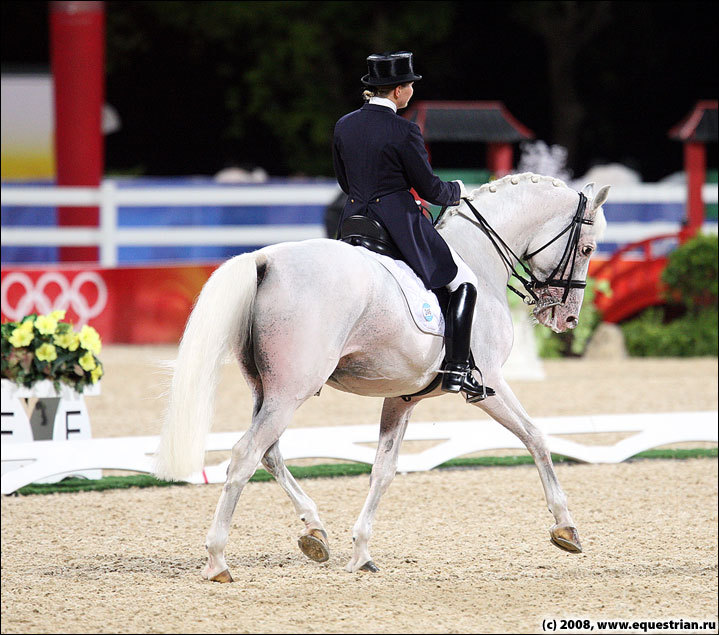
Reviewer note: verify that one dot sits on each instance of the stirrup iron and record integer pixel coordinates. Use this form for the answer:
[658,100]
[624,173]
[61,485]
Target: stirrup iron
[486,390]
[459,378]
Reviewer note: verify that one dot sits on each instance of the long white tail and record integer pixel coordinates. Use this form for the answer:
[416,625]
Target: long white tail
[222,317]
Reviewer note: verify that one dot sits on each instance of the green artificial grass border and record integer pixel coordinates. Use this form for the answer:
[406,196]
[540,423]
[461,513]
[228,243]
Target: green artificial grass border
[331,470]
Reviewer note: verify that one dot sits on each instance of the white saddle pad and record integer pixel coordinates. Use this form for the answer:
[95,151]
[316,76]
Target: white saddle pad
[422,303]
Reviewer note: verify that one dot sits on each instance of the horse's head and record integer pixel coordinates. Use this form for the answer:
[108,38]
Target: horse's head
[562,259]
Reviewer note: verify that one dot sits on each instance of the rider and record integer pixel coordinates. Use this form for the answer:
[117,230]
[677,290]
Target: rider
[378,157]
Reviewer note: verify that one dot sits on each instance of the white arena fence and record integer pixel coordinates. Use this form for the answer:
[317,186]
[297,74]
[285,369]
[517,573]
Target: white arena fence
[109,197]
[41,460]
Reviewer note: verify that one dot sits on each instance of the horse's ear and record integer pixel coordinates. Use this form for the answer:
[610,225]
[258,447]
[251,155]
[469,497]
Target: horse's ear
[588,190]
[601,197]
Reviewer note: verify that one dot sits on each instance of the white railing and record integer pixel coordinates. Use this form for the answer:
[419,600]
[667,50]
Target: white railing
[108,197]
[29,462]
[109,237]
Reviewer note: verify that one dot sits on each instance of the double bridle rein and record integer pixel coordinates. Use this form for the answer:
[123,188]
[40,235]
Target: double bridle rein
[557,278]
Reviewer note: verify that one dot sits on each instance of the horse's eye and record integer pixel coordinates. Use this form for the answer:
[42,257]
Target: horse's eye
[587,251]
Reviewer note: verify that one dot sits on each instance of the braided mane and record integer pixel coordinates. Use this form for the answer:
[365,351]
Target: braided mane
[500,184]
[515,179]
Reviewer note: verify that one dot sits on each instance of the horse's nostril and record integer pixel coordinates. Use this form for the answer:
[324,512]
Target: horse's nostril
[572,320]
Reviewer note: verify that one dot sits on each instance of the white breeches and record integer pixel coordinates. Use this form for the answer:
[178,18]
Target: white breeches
[464,273]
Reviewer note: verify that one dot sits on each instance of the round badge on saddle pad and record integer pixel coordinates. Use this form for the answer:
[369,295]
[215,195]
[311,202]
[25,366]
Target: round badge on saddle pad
[386,69]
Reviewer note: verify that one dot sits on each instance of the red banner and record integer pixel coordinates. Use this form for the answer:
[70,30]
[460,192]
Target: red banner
[133,305]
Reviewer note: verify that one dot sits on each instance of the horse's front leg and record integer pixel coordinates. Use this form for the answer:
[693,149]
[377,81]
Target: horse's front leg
[393,424]
[507,410]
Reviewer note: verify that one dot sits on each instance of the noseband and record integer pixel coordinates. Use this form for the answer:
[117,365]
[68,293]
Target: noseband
[556,279]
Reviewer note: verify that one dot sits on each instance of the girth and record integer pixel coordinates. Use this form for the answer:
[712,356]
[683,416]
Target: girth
[366,232]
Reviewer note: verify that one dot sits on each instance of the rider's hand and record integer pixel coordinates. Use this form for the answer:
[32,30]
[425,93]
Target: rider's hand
[463,191]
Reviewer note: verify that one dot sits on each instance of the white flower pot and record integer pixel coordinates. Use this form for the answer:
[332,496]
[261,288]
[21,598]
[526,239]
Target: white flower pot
[56,416]
[45,388]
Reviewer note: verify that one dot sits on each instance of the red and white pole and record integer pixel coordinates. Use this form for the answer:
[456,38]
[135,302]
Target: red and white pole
[77,59]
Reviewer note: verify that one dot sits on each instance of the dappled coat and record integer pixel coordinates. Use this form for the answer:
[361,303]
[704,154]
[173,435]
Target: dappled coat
[378,157]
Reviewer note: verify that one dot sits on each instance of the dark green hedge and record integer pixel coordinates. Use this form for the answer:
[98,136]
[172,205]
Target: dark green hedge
[693,335]
[692,272]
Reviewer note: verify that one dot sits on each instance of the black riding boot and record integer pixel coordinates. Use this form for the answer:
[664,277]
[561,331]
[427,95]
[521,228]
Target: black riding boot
[457,369]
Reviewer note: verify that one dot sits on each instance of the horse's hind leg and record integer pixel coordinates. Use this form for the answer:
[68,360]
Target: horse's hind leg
[267,426]
[393,424]
[313,540]
[506,409]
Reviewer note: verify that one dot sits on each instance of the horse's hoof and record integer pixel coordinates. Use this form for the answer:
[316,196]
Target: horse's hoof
[223,576]
[314,545]
[566,538]
[369,566]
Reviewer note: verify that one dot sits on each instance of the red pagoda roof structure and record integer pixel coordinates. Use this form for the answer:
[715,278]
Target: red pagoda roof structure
[472,121]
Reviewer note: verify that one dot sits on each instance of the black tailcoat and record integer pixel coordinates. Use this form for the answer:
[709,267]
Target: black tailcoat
[378,157]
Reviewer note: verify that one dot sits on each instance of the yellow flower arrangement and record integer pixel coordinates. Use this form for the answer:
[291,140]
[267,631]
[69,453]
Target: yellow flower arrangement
[22,335]
[96,374]
[90,339]
[46,353]
[69,340]
[87,361]
[46,324]
[46,347]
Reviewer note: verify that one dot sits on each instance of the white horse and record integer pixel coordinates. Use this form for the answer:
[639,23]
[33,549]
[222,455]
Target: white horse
[302,314]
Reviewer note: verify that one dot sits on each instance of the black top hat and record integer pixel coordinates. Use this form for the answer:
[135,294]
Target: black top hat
[390,68]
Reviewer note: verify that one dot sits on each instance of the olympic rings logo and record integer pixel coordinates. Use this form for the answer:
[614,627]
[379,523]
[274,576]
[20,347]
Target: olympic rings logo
[70,296]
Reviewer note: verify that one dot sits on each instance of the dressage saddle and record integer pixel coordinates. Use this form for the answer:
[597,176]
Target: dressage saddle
[366,232]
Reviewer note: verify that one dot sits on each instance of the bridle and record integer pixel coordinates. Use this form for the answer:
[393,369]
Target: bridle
[557,278]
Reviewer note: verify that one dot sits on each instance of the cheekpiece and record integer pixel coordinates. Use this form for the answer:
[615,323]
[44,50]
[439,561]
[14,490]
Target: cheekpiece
[390,68]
